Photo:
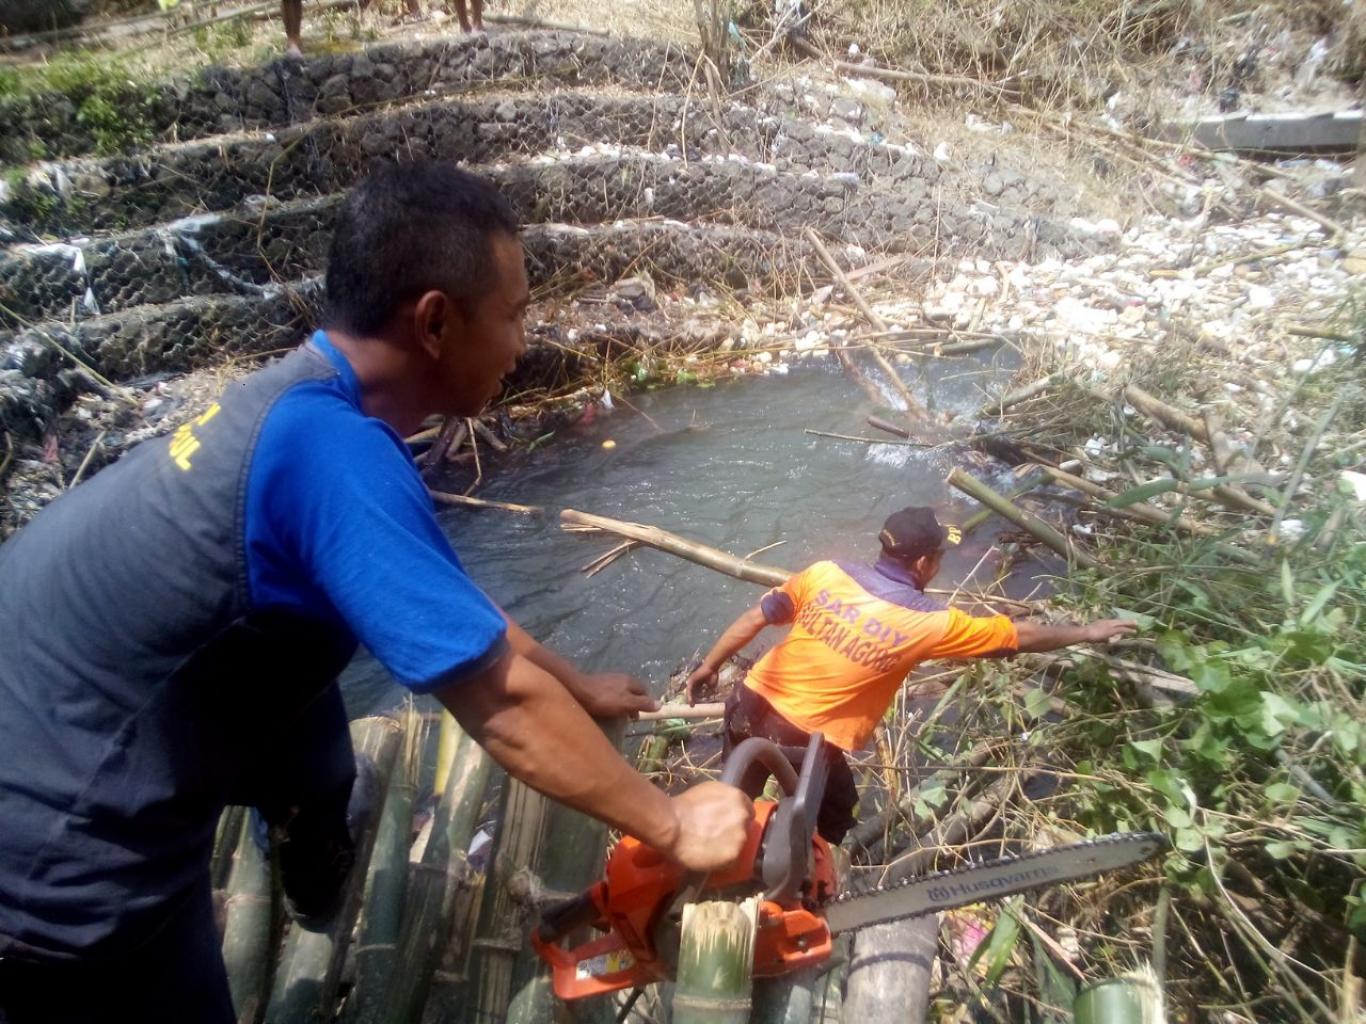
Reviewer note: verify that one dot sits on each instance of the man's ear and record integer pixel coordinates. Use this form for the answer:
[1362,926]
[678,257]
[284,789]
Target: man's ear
[922,566]
[431,316]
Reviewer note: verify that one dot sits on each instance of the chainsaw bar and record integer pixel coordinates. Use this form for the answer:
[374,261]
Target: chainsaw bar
[990,880]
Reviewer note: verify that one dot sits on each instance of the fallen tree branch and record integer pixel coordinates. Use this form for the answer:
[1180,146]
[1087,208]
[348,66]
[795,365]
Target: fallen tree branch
[1168,415]
[671,543]
[465,501]
[913,407]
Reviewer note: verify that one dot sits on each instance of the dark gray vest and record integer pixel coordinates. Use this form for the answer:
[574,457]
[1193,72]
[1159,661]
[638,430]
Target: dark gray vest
[137,686]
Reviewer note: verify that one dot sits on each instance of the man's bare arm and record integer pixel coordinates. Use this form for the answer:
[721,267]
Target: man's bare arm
[737,635]
[531,725]
[1035,637]
[602,694]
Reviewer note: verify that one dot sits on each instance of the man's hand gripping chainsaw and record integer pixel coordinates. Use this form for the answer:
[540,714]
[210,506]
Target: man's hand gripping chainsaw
[639,904]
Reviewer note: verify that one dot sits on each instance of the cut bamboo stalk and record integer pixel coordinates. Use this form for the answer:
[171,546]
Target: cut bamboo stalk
[1168,415]
[654,537]
[1027,521]
[448,739]
[889,975]
[306,983]
[438,885]
[1024,486]
[1140,509]
[247,939]
[715,963]
[382,917]
[713,710]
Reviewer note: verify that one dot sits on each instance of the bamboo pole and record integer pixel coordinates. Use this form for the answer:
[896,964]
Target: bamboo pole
[653,536]
[225,840]
[568,865]
[715,709]
[1023,486]
[310,966]
[501,933]
[715,963]
[438,885]
[1168,415]
[247,938]
[889,975]
[382,916]
[1140,509]
[1027,521]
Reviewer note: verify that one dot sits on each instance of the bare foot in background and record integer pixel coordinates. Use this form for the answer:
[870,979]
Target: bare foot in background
[293,13]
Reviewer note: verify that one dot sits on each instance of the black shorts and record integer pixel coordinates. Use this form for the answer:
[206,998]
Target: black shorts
[748,714]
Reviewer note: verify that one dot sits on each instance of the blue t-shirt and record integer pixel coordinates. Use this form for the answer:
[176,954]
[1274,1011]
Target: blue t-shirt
[340,527]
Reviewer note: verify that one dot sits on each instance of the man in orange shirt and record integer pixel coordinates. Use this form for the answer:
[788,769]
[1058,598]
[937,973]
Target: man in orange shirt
[857,631]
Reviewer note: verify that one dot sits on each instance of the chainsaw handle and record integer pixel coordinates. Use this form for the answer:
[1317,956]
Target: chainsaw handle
[765,752]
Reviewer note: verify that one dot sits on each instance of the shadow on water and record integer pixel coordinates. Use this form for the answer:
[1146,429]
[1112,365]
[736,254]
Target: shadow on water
[729,466]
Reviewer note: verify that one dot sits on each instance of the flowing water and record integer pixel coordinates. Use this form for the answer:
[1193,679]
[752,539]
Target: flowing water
[729,466]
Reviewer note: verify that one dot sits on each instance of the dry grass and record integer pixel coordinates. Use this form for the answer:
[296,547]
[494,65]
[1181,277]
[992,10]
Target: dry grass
[1078,52]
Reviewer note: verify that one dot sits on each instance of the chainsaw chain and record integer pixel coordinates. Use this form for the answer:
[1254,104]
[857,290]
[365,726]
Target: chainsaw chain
[967,869]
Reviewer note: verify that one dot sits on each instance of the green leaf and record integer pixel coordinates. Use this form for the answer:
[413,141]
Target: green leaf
[1280,849]
[1277,713]
[1312,609]
[1151,748]
[1177,817]
[1002,942]
[1036,703]
[930,798]
[1189,839]
[1282,793]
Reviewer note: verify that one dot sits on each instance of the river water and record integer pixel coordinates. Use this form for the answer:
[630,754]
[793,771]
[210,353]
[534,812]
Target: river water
[729,466]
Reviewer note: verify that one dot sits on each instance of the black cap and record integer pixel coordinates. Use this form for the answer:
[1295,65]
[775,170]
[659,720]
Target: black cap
[915,531]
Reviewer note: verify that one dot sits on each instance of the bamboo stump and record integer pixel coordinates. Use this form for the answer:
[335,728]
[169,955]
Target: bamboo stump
[715,963]
[889,977]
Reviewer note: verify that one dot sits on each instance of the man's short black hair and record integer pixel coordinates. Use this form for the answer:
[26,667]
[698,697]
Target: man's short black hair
[410,228]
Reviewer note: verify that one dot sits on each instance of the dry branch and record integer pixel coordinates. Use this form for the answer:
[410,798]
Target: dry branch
[653,536]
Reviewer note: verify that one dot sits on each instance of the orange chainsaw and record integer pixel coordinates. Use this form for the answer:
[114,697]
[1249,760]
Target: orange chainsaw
[639,904]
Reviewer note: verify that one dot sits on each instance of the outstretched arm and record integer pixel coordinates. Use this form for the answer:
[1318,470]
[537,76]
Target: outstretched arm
[1036,637]
[529,724]
[602,694]
[732,641]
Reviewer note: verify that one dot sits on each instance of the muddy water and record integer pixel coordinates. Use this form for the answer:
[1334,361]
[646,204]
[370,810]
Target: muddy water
[730,466]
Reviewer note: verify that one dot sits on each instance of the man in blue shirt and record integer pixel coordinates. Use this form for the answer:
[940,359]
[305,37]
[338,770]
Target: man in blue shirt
[172,629]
